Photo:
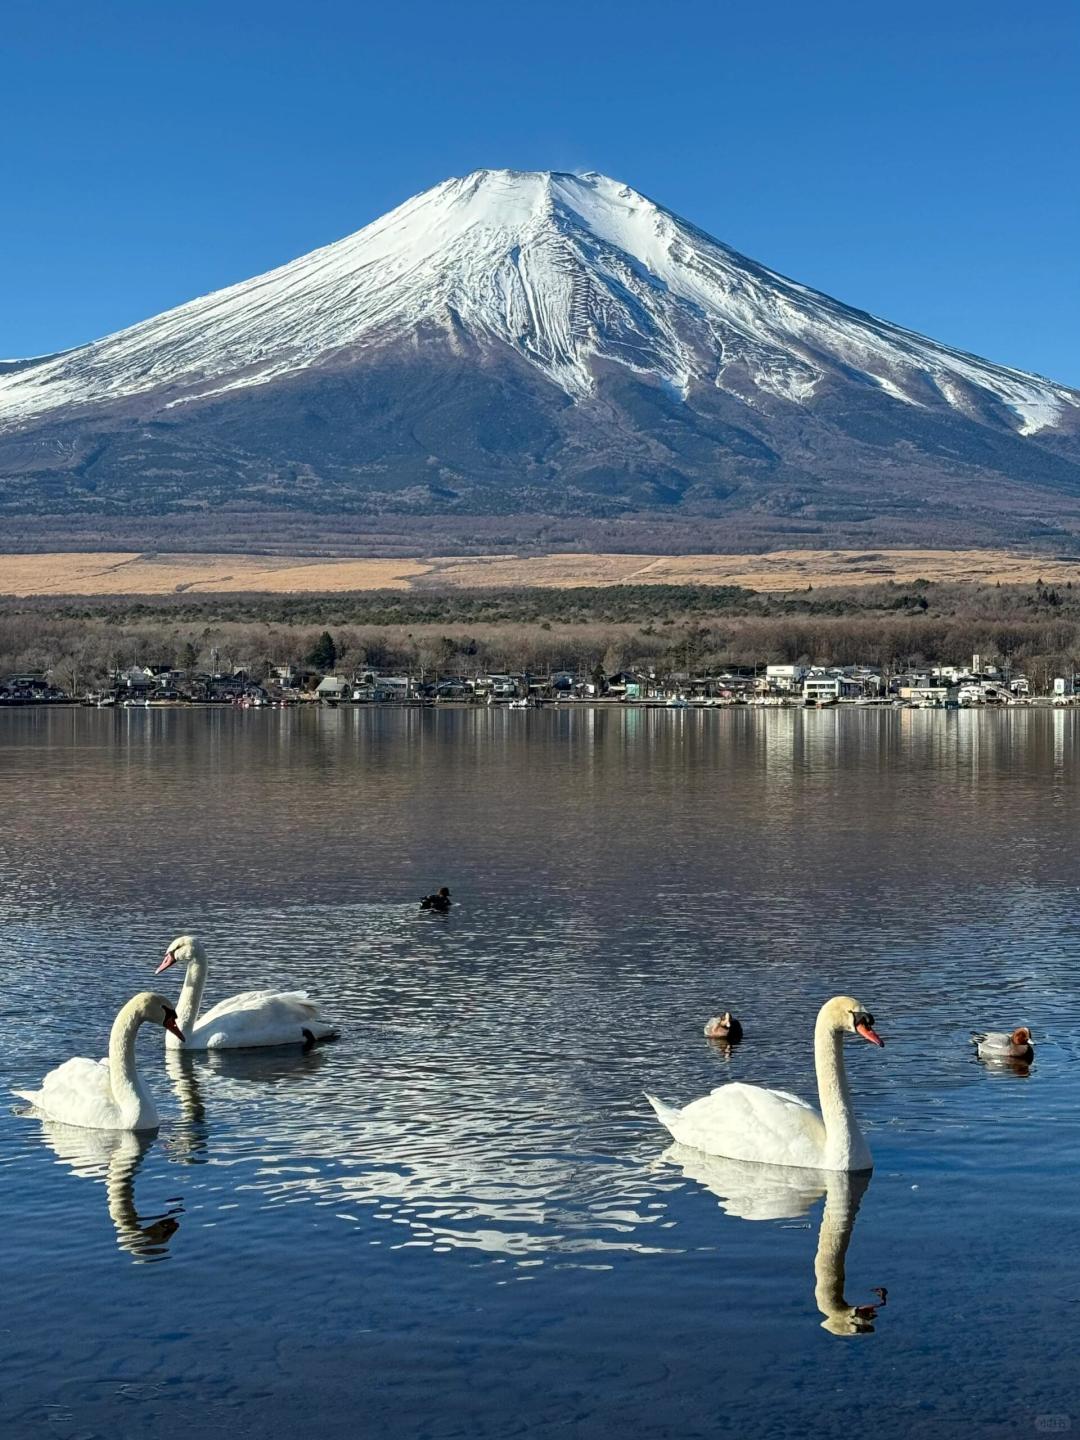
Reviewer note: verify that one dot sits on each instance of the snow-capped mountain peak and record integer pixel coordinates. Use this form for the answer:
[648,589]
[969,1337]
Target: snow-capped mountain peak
[574,273]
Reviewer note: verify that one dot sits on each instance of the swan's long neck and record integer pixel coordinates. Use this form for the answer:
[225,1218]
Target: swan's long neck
[132,1098]
[187,1007]
[845,1148]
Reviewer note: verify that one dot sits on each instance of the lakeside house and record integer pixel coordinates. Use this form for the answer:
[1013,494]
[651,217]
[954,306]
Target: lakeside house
[926,694]
[30,690]
[333,688]
[784,679]
[822,689]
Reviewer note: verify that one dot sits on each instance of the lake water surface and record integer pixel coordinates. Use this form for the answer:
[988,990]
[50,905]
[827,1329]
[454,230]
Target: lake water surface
[460,1219]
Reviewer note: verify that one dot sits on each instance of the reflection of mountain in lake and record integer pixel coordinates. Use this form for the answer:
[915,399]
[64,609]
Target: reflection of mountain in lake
[782,1192]
[115,1156]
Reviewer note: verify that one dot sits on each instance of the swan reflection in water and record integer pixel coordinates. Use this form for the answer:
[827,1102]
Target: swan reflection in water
[268,1065]
[186,1139]
[115,1156]
[230,1076]
[781,1192]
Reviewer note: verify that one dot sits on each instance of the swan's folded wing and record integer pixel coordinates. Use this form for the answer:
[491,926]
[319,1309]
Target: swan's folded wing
[747,1122]
[260,1017]
[249,1000]
[78,1092]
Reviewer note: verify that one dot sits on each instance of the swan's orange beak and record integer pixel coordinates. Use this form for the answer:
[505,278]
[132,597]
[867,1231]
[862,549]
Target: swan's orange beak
[171,1025]
[871,1035]
[169,960]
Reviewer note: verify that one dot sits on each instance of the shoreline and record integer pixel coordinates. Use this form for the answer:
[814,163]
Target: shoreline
[1038,702]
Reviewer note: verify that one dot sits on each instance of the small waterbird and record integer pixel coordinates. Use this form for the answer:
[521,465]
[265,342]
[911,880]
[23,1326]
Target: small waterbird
[724,1027]
[1005,1044]
[439,901]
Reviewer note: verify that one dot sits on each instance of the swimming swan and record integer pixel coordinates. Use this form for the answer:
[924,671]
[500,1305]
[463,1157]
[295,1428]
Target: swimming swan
[748,1122]
[107,1094]
[252,1018]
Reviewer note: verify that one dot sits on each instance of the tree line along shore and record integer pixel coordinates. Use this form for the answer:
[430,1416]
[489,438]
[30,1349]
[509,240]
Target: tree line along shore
[80,643]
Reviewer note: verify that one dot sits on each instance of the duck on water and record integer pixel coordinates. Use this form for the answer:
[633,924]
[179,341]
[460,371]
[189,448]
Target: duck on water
[724,1027]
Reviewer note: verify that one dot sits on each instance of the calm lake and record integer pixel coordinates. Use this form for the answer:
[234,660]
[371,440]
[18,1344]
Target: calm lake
[459,1219]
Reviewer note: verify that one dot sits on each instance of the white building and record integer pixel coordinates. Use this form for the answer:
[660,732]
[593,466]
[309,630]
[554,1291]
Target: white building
[984,692]
[785,677]
[828,689]
[925,694]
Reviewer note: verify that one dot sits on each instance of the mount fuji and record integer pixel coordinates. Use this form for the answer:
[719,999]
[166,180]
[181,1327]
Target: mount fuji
[551,344]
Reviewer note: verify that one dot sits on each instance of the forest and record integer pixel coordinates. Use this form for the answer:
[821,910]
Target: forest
[668,629]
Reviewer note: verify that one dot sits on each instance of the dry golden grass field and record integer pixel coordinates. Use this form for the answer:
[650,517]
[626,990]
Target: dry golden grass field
[129,573]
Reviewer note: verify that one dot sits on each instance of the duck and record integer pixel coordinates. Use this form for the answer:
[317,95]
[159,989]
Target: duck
[440,901]
[773,1127]
[253,1018]
[108,1094]
[1004,1044]
[724,1027]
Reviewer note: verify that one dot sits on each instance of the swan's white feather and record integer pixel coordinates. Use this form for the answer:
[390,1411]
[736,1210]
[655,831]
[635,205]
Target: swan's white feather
[748,1122]
[257,1018]
[106,1094]
[78,1092]
[774,1127]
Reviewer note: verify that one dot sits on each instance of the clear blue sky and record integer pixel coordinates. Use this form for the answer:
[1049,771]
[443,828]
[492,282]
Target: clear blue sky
[917,160]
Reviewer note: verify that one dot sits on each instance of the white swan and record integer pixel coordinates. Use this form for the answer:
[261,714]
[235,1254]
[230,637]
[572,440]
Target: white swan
[747,1122]
[252,1018]
[107,1094]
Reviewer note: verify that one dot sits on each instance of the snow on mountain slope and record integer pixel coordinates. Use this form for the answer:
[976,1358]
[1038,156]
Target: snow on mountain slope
[567,270]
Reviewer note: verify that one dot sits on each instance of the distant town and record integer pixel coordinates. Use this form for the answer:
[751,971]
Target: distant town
[978,683]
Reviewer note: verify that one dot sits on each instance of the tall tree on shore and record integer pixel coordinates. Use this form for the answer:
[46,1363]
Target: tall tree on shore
[324,652]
